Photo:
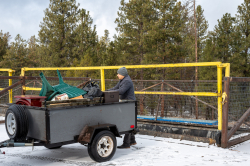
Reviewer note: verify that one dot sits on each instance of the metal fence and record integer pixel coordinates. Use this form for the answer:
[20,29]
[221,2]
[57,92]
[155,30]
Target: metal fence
[239,101]
[174,105]
[169,105]
[149,104]
[236,111]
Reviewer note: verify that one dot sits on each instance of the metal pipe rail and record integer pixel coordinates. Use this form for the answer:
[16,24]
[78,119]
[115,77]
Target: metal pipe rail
[219,66]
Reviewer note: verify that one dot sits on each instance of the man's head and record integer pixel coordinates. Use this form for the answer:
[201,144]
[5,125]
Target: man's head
[122,72]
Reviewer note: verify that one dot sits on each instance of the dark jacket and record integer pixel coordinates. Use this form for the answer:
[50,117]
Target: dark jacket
[125,88]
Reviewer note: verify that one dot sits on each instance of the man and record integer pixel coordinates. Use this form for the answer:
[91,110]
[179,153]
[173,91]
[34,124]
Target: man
[126,91]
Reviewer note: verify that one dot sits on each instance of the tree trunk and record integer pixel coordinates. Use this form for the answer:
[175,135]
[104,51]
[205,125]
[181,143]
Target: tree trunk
[196,68]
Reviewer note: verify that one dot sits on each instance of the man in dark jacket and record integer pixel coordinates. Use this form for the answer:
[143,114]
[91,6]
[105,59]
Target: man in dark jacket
[126,91]
[124,86]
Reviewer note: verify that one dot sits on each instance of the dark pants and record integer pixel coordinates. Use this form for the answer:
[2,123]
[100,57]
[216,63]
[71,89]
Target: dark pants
[129,138]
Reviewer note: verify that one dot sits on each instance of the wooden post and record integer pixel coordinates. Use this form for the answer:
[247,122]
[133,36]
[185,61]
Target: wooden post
[162,101]
[141,105]
[225,107]
[141,102]
[196,67]
[23,85]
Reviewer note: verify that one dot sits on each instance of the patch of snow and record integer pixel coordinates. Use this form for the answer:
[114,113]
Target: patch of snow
[149,151]
[2,118]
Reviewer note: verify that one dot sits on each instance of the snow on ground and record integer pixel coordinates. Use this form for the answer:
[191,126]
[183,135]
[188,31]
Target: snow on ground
[149,151]
[2,118]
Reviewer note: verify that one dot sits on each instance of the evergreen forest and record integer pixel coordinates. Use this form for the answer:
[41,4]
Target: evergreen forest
[148,32]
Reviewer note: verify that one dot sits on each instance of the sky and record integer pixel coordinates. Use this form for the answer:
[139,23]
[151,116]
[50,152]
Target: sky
[24,17]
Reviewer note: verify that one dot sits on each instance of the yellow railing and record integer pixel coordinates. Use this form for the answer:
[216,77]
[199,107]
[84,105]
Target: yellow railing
[10,71]
[219,66]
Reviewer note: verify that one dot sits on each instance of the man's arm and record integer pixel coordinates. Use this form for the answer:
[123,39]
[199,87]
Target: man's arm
[114,88]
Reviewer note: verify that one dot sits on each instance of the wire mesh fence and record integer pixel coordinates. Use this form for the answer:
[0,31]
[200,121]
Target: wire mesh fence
[239,103]
[166,105]
[174,105]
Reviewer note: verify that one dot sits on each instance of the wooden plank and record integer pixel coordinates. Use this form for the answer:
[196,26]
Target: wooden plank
[238,124]
[239,79]
[192,96]
[66,101]
[11,87]
[238,140]
[11,77]
[72,102]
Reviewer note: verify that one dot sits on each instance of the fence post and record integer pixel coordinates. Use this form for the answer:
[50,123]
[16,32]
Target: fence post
[102,79]
[23,85]
[219,88]
[225,108]
[23,80]
[10,91]
[162,100]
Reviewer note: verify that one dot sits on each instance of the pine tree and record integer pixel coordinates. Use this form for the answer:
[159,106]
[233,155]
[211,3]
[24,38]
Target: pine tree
[16,56]
[57,33]
[223,44]
[32,52]
[85,36]
[208,55]
[188,37]
[165,35]
[201,29]
[102,53]
[85,50]
[224,31]
[202,26]
[133,22]
[243,27]
[4,38]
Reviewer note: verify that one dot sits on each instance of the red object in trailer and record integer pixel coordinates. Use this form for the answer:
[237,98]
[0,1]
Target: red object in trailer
[30,100]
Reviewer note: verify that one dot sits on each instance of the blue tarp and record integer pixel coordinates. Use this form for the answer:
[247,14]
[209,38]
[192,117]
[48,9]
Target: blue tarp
[180,120]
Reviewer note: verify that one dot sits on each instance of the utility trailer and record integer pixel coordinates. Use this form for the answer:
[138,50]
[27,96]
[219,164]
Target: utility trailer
[96,125]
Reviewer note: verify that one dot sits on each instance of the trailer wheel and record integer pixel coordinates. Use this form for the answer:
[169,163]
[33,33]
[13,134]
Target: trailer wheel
[16,122]
[103,146]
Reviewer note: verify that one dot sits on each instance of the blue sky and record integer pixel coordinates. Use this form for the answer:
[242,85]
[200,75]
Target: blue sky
[24,16]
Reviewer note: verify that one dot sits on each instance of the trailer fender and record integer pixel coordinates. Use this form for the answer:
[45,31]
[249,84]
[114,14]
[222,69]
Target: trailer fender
[88,132]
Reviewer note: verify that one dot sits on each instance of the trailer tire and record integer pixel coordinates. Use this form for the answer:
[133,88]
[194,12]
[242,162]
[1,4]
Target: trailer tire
[103,146]
[16,122]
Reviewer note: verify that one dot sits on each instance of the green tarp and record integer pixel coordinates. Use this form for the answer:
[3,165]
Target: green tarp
[50,91]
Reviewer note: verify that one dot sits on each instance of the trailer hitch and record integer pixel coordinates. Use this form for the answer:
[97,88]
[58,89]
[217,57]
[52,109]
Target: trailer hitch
[12,143]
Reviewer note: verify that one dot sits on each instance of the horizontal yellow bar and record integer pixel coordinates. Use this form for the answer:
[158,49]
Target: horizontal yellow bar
[9,70]
[157,93]
[179,93]
[129,66]
[1,88]
[29,88]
